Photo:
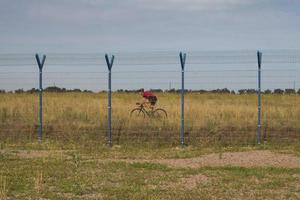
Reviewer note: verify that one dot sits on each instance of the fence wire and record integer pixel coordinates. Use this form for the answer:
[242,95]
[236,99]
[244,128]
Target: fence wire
[221,95]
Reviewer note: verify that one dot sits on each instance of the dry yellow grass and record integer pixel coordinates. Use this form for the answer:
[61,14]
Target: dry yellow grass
[3,189]
[214,114]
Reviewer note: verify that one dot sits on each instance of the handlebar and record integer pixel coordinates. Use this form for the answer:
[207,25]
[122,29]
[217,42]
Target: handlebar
[140,104]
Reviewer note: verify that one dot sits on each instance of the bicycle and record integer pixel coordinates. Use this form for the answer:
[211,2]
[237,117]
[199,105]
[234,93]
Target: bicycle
[140,111]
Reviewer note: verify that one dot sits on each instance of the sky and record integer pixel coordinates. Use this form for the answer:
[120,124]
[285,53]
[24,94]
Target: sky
[135,27]
[28,26]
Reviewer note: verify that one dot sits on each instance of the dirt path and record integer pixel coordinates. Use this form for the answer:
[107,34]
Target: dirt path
[241,159]
[257,158]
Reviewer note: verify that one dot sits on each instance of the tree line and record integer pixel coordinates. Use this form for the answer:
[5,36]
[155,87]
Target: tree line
[201,91]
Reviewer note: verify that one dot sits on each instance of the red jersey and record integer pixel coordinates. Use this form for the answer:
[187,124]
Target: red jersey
[147,94]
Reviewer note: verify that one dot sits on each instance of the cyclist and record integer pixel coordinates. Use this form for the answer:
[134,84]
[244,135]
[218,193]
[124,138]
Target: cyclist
[150,97]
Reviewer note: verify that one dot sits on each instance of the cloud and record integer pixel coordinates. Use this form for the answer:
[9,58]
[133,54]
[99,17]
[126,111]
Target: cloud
[81,12]
[60,13]
[195,5]
[87,25]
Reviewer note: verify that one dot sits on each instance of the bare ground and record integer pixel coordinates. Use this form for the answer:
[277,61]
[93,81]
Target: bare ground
[242,159]
[256,158]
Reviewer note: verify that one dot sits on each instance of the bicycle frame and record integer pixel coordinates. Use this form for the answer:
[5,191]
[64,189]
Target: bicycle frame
[149,113]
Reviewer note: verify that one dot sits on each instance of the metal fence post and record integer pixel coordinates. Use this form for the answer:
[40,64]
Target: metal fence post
[109,66]
[259,58]
[182,62]
[40,65]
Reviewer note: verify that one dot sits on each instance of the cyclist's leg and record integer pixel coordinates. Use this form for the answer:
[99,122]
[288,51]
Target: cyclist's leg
[153,102]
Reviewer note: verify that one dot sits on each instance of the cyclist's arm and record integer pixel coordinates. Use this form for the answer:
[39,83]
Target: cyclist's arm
[145,101]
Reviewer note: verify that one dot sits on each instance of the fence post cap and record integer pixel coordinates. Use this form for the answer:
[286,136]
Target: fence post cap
[40,64]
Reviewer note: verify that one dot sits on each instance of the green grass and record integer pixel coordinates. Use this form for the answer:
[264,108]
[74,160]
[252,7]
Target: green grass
[76,172]
[74,162]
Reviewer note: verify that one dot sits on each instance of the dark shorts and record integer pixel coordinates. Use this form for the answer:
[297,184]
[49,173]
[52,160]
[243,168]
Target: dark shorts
[152,100]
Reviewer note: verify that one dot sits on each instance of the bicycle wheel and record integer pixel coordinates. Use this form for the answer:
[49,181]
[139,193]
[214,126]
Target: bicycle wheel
[137,112]
[160,113]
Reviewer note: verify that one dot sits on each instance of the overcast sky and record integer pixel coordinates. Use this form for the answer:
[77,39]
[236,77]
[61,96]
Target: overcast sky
[61,27]
[28,26]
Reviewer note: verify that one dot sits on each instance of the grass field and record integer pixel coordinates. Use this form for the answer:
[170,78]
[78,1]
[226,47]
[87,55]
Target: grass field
[54,171]
[74,162]
[216,116]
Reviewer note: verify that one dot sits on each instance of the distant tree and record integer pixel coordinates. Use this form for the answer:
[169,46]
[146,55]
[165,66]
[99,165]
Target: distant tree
[225,90]
[172,90]
[2,91]
[278,91]
[250,91]
[76,90]
[156,90]
[290,91]
[268,91]
[222,91]
[298,91]
[19,91]
[202,91]
[53,89]
[130,91]
[242,91]
[32,90]
[232,92]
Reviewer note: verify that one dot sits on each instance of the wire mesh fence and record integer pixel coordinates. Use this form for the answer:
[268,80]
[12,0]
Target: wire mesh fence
[220,93]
